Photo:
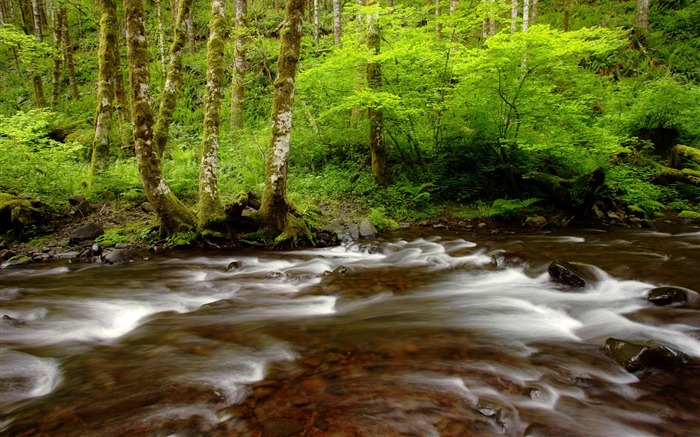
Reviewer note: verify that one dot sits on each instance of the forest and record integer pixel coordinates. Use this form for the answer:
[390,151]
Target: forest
[403,111]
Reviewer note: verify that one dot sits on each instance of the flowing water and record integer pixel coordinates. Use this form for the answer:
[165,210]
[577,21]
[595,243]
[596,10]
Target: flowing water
[413,335]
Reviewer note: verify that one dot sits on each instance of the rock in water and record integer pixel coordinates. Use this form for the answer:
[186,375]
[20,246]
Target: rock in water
[121,256]
[88,231]
[635,357]
[663,296]
[574,275]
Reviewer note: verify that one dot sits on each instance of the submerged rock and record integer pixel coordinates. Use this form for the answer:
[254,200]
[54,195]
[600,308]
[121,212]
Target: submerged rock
[663,296]
[572,274]
[635,357]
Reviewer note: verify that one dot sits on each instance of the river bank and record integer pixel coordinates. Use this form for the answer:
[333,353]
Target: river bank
[87,232]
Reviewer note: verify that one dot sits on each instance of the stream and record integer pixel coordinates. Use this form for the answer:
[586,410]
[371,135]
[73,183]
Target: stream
[419,333]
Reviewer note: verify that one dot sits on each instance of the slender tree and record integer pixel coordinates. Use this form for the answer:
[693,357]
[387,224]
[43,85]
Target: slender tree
[211,210]
[526,15]
[173,80]
[58,41]
[317,28]
[641,17]
[105,85]
[337,23]
[174,216]
[513,15]
[68,53]
[161,37]
[377,146]
[275,210]
[239,66]
[32,24]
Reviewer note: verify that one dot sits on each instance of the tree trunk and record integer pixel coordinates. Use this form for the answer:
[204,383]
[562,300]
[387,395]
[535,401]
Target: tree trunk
[105,85]
[337,26]
[513,16]
[32,24]
[211,210]
[641,17]
[377,146]
[190,33]
[578,194]
[174,216]
[68,54]
[58,41]
[119,91]
[161,37]
[533,13]
[173,81]
[239,67]
[526,15]
[317,31]
[438,24]
[680,152]
[275,209]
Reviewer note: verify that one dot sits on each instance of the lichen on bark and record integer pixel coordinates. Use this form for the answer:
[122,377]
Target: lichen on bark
[210,209]
[174,78]
[239,66]
[275,209]
[174,216]
[105,85]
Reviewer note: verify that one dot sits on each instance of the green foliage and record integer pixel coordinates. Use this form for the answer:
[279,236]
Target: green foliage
[506,209]
[378,217]
[182,239]
[33,164]
[633,184]
[31,53]
[664,103]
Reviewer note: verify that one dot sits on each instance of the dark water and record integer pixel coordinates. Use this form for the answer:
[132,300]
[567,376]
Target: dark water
[424,338]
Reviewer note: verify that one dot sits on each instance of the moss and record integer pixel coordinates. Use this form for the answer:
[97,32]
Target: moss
[691,216]
[23,218]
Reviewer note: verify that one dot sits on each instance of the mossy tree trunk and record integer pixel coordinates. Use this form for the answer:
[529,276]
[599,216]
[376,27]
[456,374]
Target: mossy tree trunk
[377,146]
[32,24]
[681,152]
[239,67]
[174,216]
[173,81]
[211,210]
[68,54]
[275,208]
[58,42]
[105,85]
[122,104]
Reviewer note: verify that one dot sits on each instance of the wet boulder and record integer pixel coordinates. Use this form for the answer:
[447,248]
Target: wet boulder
[636,357]
[367,229]
[119,256]
[502,259]
[86,232]
[572,274]
[17,261]
[664,296]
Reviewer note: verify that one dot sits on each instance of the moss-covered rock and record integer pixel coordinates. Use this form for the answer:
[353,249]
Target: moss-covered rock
[691,216]
[22,218]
